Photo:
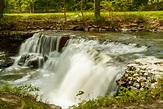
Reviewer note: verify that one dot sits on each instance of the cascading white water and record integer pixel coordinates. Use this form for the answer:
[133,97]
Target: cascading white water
[40,43]
[83,65]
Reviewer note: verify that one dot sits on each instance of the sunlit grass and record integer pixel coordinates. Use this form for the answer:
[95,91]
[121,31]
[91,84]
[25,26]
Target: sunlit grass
[153,14]
[39,14]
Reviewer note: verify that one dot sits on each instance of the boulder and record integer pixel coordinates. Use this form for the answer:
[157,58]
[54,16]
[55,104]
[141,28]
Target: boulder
[78,28]
[63,41]
[32,60]
[5,61]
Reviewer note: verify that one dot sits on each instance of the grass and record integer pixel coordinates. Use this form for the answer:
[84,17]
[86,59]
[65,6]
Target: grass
[20,97]
[153,14]
[142,13]
[23,90]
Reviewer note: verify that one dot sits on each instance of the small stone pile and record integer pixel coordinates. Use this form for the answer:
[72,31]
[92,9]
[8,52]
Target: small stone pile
[142,74]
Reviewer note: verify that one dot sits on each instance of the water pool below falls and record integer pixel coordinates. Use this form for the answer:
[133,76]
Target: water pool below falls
[78,63]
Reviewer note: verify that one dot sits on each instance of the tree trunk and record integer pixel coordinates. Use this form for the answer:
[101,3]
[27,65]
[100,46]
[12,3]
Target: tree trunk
[97,8]
[81,9]
[33,7]
[20,6]
[2,6]
[30,7]
[47,5]
[65,11]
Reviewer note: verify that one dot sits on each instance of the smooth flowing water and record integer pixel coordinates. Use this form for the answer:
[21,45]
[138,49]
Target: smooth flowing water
[63,64]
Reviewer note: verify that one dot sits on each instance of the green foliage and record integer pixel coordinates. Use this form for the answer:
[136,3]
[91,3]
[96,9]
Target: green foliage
[130,96]
[20,97]
[19,5]
[23,90]
[3,22]
[161,85]
[32,105]
[123,5]
[42,6]
[124,97]
[154,6]
[107,6]
[135,18]
[17,37]
[3,105]
[101,20]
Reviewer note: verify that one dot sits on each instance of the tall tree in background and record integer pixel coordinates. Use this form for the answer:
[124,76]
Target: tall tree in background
[65,10]
[47,5]
[2,6]
[81,9]
[138,3]
[97,8]
[31,6]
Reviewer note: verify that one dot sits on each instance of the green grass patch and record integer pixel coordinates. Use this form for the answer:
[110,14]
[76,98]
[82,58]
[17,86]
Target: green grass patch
[38,15]
[23,90]
[153,14]
[20,97]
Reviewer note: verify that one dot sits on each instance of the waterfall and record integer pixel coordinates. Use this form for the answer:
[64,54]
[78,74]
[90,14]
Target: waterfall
[35,50]
[41,43]
[75,65]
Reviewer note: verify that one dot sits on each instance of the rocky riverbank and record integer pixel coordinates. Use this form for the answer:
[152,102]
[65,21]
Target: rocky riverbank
[142,74]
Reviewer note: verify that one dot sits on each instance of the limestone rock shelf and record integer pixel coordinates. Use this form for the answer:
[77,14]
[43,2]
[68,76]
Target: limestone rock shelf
[142,74]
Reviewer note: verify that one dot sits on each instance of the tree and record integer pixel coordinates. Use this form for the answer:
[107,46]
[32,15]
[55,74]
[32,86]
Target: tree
[97,8]
[139,3]
[47,5]
[65,10]
[2,6]
[31,6]
[124,5]
[81,9]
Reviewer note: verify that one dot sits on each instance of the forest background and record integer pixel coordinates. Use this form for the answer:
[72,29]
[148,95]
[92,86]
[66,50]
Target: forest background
[50,6]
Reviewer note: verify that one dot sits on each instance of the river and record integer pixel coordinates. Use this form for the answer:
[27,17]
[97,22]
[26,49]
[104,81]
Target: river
[83,63]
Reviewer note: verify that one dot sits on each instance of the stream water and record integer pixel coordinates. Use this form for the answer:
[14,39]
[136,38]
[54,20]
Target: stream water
[88,62]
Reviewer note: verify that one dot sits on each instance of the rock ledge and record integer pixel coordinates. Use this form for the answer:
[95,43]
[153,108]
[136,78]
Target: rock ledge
[142,74]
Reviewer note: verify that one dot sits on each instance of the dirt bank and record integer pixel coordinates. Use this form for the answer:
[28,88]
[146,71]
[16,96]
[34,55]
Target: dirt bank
[114,23]
[10,100]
